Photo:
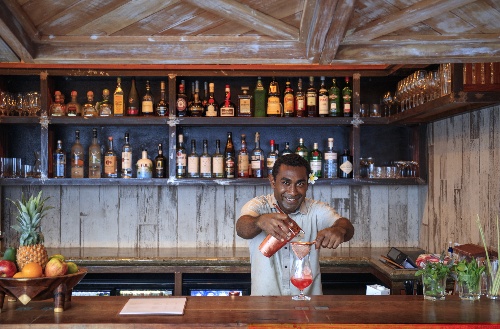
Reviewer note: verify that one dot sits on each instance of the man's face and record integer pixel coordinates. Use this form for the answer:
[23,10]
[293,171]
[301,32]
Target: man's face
[290,187]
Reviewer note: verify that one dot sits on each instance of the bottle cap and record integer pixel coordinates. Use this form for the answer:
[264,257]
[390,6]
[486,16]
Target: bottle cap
[74,93]
[105,92]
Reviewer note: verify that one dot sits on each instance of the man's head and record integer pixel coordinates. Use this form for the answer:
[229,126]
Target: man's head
[289,181]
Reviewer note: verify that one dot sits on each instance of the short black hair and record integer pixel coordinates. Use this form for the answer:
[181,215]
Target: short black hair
[292,160]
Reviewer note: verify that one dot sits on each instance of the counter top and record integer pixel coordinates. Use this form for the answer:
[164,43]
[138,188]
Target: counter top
[262,312]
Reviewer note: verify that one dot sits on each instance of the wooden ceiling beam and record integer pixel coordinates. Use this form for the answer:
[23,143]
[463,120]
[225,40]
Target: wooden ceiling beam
[245,15]
[343,13]
[416,13]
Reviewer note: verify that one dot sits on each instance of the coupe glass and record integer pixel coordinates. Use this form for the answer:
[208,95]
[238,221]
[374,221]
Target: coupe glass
[301,270]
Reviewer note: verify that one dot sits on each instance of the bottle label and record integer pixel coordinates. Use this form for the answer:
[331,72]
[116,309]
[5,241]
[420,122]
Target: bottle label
[132,110]
[315,166]
[181,159]
[77,172]
[270,163]
[127,161]
[227,111]
[243,163]
[300,103]
[206,167]
[288,104]
[210,111]
[144,170]
[311,99]
[346,167]
[256,163]
[110,165]
[333,107]
[347,108]
[330,156]
[273,105]
[218,166]
[72,110]
[323,104]
[193,165]
[245,106]
[181,105]
[229,168]
[161,110]
[147,107]
[118,104]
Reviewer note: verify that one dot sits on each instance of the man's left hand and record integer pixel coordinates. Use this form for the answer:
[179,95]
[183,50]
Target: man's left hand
[330,237]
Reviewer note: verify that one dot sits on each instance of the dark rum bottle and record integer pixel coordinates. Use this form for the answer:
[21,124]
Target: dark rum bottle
[229,158]
[300,101]
[133,100]
[181,103]
[162,106]
[288,100]
[311,99]
[160,163]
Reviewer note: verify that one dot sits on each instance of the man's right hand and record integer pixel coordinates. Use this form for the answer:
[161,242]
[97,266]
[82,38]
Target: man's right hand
[274,224]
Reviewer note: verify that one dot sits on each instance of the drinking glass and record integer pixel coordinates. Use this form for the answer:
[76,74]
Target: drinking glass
[301,270]
[4,103]
[469,288]
[34,103]
[420,84]
[493,280]
[19,103]
[434,286]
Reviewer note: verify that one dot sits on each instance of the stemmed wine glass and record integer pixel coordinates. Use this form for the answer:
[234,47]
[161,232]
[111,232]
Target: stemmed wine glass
[301,269]
[34,103]
[4,103]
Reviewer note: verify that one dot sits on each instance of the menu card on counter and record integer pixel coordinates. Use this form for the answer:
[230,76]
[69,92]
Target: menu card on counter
[157,306]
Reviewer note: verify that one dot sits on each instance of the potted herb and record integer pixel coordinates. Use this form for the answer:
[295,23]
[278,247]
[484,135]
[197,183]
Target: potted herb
[469,279]
[434,275]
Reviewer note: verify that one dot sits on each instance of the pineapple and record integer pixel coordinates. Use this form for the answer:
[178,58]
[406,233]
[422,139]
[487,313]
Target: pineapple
[31,248]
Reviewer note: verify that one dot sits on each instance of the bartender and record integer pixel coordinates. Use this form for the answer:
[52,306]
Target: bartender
[319,221]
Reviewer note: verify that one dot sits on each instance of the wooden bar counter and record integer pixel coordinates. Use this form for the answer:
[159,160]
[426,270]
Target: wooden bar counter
[263,312]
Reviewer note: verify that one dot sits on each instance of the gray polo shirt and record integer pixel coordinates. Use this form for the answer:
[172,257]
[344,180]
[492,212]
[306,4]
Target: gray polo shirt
[271,276]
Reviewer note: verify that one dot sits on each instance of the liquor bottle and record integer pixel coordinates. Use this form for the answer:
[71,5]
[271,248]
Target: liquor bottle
[193,162]
[288,100]
[133,100]
[57,109]
[162,106]
[196,109]
[347,97]
[229,157]
[59,161]
[212,108]
[105,109]
[316,161]
[127,158]
[322,99]
[311,99]
[243,162]
[144,166]
[345,165]
[160,163]
[73,107]
[77,157]
[245,103]
[191,98]
[302,150]
[330,161]
[94,156]
[110,161]
[204,99]
[334,109]
[271,158]
[181,103]
[300,101]
[274,105]
[217,162]
[147,102]
[227,108]
[259,96]
[180,158]
[257,159]
[89,109]
[286,150]
[205,162]
[118,104]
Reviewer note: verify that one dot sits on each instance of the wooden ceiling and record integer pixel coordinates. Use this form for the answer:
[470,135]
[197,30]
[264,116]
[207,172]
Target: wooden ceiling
[310,32]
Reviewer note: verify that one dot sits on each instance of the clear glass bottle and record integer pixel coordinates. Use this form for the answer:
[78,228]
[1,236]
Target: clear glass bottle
[160,163]
[118,99]
[330,161]
[316,161]
[300,101]
[110,161]
[286,150]
[311,99]
[243,163]
[133,100]
[127,171]
[59,161]
[347,97]
[77,157]
[73,107]
[257,159]
[217,162]
[229,157]
[334,109]
[288,100]
[302,150]
[180,158]
[95,166]
[193,162]
[271,158]
[57,109]
[89,109]
[345,165]
[105,109]
[227,108]
[196,109]
[181,102]
[205,162]
[259,96]
[322,99]
[245,103]
[144,166]
[147,102]
[162,106]
[212,108]
[274,106]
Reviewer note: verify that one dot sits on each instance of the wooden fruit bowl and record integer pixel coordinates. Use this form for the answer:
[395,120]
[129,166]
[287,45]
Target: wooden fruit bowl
[28,289]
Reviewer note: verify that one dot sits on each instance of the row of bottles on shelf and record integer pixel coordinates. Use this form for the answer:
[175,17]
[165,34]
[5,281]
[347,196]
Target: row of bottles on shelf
[310,102]
[246,163]
[145,167]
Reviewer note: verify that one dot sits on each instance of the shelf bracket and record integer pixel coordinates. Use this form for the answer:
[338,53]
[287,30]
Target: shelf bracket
[356,121]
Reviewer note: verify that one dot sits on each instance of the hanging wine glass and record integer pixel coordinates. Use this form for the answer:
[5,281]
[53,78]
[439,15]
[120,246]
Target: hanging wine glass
[302,276]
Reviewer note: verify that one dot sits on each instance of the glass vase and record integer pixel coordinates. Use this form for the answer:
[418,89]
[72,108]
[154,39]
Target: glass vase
[469,288]
[434,288]
[493,281]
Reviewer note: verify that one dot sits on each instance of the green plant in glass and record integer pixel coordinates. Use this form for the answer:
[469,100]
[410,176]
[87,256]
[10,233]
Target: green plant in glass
[493,290]
[434,275]
[469,278]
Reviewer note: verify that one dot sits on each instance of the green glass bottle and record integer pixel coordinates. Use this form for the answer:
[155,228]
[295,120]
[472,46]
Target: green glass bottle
[334,109]
[316,161]
[259,96]
[302,150]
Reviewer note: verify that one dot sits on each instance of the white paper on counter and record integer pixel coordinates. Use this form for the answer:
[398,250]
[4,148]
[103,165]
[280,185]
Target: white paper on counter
[166,306]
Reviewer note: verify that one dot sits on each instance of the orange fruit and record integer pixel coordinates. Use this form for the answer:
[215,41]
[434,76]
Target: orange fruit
[18,275]
[32,270]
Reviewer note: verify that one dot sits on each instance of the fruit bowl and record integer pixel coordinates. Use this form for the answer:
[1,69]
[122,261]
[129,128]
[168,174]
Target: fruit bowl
[28,289]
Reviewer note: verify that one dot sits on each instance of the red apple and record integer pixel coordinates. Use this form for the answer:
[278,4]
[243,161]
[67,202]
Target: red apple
[7,269]
[55,267]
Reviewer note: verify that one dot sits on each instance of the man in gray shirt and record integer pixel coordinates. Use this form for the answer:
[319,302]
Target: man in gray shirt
[319,221]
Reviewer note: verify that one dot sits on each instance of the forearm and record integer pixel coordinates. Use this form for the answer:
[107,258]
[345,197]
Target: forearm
[246,227]
[346,225]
